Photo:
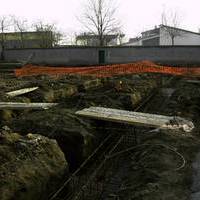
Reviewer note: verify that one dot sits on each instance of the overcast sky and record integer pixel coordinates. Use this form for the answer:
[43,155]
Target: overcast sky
[136,16]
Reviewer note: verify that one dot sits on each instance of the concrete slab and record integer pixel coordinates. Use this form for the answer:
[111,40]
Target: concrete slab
[137,118]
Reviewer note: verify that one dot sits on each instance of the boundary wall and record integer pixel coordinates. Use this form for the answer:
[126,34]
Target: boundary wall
[83,56]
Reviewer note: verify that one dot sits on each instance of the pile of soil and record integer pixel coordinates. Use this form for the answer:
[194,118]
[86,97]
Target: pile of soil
[30,165]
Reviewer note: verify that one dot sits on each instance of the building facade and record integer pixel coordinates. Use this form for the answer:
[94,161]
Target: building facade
[12,40]
[165,35]
[87,39]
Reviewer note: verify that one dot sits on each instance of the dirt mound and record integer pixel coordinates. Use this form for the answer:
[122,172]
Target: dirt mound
[20,178]
[72,134]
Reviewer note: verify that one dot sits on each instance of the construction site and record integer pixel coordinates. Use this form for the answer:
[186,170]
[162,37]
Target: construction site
[125,131]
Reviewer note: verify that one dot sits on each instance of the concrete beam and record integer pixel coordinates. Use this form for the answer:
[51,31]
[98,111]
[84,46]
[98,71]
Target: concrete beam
[19,106]
[21,91]
[137,118]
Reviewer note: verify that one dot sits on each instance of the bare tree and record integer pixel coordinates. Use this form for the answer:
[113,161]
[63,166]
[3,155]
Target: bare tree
[171,22]
[21,26]
[5,23]
[49,34]
[99,18]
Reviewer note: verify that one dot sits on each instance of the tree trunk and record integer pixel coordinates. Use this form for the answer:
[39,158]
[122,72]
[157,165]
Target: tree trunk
[101,40]
[22,40]
[172,41]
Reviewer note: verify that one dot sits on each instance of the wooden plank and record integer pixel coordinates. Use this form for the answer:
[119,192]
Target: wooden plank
[136,118]
[21,91]
[19,106]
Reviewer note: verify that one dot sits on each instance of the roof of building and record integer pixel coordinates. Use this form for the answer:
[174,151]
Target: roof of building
[28,35]
[27,32]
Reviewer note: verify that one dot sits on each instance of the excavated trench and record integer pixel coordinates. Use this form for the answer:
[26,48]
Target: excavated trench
[77,137]
[159,166]
[149,175]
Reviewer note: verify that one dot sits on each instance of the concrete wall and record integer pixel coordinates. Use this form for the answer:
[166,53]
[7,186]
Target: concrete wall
[89,55]
[57,56]
[176,55]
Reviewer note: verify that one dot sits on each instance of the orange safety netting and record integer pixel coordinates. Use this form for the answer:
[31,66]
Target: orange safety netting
[108,70]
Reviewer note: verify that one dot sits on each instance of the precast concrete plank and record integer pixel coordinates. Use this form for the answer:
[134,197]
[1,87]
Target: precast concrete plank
[19,106]
[137,118]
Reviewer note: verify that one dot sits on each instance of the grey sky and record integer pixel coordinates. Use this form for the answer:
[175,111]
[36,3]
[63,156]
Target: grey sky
[136,16]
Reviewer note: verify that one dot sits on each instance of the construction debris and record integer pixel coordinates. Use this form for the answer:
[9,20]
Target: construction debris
[18,106]
[137,118]
[21,91]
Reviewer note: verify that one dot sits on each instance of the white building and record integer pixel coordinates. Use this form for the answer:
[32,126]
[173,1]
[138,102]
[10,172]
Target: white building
[165,35]
[89,39]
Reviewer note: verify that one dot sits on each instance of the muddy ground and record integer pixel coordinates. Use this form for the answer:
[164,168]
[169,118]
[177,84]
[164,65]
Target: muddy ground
[162,164]
[160,167]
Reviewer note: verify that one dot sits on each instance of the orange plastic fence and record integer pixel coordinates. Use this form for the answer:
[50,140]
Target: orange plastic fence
[107,70]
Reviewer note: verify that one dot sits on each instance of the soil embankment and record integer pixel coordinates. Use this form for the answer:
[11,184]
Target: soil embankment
[30,166]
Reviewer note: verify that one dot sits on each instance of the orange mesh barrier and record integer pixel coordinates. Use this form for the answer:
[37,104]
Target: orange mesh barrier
[108,70]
